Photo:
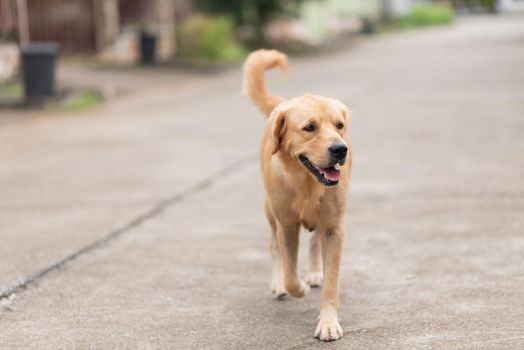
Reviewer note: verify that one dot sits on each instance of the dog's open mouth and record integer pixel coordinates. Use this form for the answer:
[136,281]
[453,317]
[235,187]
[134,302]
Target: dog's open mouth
[326,176]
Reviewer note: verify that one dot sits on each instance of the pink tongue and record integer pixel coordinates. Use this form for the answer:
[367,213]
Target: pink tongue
[331,174]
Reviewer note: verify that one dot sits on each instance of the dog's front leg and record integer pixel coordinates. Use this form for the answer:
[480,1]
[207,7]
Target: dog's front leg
[328,327]
[288,245]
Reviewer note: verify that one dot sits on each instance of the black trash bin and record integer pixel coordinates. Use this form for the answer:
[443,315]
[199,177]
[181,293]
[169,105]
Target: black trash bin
[38,64]
[367,26]
[148,47]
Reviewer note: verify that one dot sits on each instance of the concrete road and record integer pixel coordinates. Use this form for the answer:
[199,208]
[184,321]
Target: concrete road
[140,226]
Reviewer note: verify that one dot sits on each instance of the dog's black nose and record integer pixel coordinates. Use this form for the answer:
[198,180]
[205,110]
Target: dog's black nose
[338,151]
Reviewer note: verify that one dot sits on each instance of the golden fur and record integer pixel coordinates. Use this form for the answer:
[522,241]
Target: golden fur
[294,196]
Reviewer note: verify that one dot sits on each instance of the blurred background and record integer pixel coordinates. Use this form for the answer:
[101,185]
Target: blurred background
[195,32]
[116,31]
[204,33]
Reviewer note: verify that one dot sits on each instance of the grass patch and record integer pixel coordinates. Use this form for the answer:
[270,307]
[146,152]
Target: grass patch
[12,95]
[11,90]
[80,101]
[426,15]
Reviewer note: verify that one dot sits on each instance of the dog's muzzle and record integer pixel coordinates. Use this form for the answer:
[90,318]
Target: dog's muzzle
[329,176]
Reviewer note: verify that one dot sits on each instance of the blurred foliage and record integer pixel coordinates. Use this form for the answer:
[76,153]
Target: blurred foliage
[256,12]
[249,13]
[209,38]
[427,14]
[488,5]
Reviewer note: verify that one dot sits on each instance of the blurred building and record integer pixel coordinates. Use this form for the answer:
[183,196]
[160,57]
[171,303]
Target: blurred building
[510,6]
[108,28]
[320,20]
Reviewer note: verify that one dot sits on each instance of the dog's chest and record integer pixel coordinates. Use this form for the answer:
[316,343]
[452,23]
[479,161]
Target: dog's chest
[308,207]
[318,208]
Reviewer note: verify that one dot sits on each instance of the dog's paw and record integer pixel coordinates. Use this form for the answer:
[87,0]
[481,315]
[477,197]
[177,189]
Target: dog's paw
[298,288]
[328,328]
[314,279]
[277,287]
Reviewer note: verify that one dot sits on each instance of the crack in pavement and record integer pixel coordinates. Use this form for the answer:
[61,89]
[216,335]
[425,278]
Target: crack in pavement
[203,184]
[137,221]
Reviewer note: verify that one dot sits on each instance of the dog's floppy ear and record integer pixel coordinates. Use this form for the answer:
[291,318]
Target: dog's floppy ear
[342,107]
[278,126]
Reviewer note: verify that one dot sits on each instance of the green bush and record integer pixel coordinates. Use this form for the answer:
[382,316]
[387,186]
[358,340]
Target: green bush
[424,15]
[209,38]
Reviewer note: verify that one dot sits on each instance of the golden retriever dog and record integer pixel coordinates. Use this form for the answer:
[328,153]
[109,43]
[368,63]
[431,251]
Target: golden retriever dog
[306,161]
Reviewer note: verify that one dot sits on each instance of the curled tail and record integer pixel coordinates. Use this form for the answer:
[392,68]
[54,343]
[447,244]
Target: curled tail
[254,83]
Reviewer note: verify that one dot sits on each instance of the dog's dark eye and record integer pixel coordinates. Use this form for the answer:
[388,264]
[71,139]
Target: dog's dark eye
[309,128]
[340,126]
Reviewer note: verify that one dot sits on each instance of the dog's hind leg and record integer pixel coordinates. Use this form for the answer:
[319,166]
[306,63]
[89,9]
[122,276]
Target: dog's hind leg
[277,278]
[314,274]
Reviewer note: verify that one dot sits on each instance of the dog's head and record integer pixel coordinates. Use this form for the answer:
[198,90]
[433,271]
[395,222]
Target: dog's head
[312,130]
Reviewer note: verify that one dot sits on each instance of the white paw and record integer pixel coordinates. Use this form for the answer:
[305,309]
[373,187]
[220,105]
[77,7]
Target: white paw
[277,287]
[298,289]
[329,328]
[314,279]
